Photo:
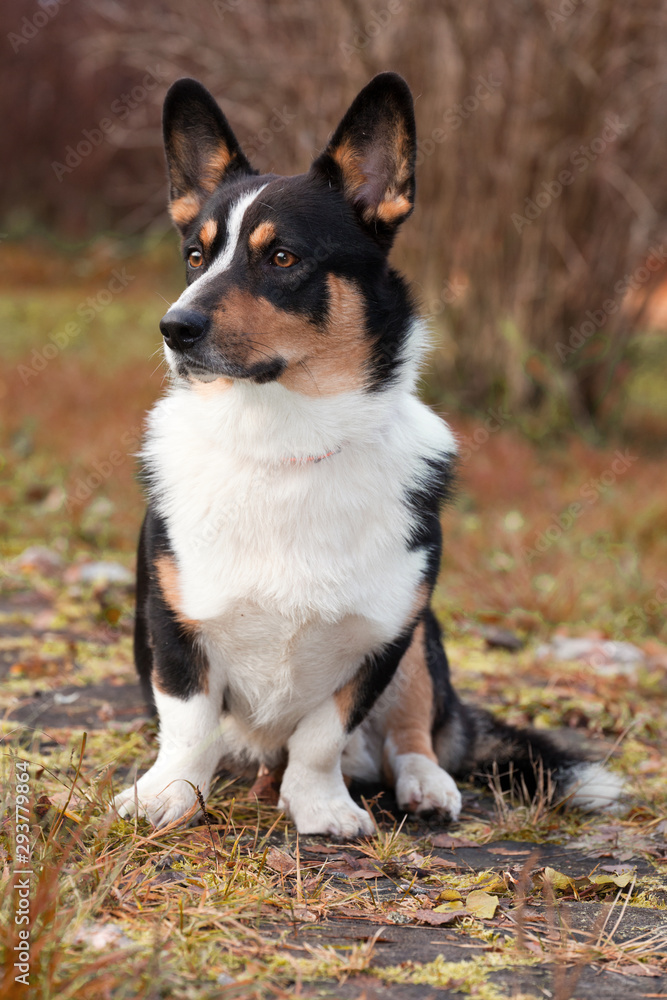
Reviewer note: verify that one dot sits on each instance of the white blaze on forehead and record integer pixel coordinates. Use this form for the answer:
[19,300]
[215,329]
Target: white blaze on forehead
[226,255]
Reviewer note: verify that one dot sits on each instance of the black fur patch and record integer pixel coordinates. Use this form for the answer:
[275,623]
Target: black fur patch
[375,674]
[161,643]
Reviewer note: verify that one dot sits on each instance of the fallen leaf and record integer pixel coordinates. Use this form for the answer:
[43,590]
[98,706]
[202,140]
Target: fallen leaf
[643,970]
[557,879]
[266,787]
[621,881]
[493,884]
[448,895]
[481,904]
[436,918]
[447,907]
[280,862]
[451,843]
[343,868]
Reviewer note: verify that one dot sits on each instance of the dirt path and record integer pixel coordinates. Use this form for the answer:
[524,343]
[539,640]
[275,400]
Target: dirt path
[508,902]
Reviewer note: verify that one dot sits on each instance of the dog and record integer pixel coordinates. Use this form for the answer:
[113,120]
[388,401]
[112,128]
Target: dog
[292,538]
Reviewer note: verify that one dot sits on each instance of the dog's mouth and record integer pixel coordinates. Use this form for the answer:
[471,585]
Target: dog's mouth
[266,370]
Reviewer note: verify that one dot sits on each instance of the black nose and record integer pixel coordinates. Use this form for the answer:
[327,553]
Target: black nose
[181,328]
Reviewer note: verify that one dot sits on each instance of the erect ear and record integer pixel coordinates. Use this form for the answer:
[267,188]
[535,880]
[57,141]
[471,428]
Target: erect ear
[201,149]
[371,156]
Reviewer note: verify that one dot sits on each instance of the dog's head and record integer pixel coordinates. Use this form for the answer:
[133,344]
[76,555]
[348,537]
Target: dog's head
[288,277]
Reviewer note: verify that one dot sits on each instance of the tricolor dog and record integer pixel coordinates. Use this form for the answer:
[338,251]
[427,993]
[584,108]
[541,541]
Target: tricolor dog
[292,539]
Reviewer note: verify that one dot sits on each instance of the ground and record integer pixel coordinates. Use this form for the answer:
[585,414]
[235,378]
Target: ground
[552,538]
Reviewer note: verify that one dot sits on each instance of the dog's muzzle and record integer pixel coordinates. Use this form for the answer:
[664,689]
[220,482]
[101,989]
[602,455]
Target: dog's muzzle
[182,328]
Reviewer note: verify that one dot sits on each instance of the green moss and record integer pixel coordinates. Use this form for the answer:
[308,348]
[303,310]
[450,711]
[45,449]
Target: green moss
[470,977]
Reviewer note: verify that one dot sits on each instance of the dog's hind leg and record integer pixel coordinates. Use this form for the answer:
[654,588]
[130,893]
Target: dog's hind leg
[412,707]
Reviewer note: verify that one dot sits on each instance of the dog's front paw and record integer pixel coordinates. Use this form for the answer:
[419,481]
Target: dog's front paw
[161,797]
[422,786]
[324,808]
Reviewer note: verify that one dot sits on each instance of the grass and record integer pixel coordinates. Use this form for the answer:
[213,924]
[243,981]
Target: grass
[224,909]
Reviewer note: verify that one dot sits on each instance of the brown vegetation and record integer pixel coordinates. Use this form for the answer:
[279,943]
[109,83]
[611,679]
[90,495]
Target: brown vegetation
[509,97]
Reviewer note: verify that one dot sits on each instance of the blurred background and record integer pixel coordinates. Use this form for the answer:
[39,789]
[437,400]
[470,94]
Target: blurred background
[538,250]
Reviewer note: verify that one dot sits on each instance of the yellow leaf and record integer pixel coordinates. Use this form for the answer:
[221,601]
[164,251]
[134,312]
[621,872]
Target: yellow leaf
[494,885]
[558,880]
[447,895]
[481,904]
[625,878]
[454,904]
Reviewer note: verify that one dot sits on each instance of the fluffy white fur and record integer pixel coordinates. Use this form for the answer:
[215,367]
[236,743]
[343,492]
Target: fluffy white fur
[593,787]
[295,570]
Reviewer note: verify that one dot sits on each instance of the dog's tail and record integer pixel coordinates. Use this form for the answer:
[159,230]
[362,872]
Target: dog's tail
[523,761]
[470,742]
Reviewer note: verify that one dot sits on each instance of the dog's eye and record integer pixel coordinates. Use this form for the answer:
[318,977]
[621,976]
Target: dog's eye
[283,258]
[195,258]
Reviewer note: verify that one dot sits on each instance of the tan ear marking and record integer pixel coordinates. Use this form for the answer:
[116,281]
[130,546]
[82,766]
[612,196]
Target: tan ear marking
[391,210]
[184,209]
[214,167]
[348,159]
[393,203]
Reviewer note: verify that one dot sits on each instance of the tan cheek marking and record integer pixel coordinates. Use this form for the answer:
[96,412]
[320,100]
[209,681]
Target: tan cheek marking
[262,236]
[170,585]
[410,719]
[319,362]
[208,232]
[183,210]
[338,360]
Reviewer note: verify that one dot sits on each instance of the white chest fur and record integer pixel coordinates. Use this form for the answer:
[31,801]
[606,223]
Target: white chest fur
[294,568]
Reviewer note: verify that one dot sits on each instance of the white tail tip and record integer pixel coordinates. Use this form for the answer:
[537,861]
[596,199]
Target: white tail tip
[593,788]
